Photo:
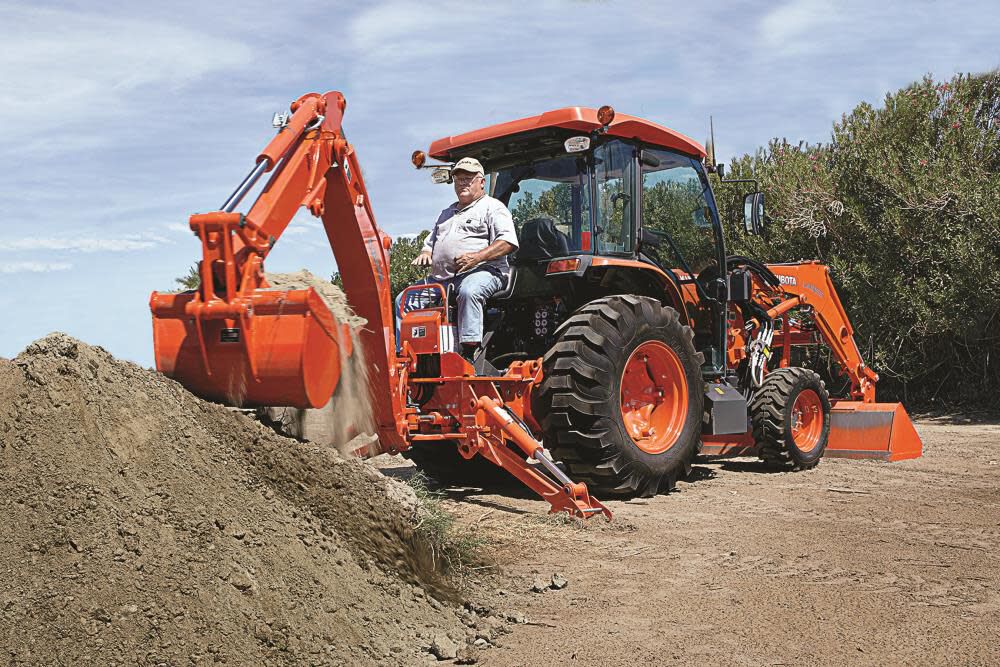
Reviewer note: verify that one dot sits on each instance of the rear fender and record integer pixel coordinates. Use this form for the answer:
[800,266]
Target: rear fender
[652,281]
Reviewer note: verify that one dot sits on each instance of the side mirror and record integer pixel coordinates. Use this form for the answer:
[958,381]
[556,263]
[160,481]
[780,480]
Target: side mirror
[648,159]
[441,175]
[753,213]
[720,169]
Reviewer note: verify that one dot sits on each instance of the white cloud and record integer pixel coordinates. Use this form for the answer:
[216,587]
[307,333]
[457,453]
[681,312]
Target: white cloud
[64,68]
[303,224]
[409,29]
[800,26]
[34,267]
[127,244]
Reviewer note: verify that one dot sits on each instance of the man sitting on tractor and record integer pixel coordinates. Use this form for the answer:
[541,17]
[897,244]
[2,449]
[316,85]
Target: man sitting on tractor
[467,250]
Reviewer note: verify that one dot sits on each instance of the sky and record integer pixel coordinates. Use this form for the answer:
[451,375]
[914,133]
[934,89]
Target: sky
[120,119]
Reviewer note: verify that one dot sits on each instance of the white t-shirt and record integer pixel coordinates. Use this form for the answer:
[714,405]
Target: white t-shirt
[472,228]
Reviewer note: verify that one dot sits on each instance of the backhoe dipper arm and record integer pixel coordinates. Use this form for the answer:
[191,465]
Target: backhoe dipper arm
[362,253]
[809,284]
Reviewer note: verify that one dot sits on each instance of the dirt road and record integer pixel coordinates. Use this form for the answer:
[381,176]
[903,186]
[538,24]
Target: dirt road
[854,562]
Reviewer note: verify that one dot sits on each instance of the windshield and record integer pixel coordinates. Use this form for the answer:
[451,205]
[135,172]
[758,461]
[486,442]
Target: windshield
[549,200]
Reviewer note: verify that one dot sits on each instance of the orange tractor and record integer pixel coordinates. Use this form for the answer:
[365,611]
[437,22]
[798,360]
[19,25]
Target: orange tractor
[625,341]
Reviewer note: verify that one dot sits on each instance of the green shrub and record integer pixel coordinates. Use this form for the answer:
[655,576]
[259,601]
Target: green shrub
[454,549]
[902,203]
[402,273]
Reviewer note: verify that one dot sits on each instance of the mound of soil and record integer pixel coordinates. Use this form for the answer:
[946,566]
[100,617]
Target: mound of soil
[346,421]
[145,526]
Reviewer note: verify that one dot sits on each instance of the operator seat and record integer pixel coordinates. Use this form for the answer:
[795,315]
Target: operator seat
[507,290]
[540,239]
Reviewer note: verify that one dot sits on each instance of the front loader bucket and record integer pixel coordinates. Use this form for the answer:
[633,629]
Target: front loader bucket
[872,431]
[275,348]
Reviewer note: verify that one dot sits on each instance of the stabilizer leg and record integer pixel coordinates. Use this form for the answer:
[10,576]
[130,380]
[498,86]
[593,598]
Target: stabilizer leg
[562,493]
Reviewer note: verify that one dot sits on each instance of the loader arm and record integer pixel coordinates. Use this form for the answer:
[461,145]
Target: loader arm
[282,347]
[859,427]
[809,284]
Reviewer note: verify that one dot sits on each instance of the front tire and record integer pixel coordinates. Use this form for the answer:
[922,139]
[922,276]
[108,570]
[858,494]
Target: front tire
[622,396]
[790,414]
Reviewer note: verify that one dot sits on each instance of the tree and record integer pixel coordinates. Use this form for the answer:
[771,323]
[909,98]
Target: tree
[402,273]
[191,279]
[902,203]
[556,203]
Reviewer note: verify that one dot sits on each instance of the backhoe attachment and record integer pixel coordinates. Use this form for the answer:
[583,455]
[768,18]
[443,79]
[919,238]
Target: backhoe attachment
[237,340]
[234,340]
[247,345]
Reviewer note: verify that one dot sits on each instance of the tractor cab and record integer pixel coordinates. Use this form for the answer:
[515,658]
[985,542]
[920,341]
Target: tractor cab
[602,206]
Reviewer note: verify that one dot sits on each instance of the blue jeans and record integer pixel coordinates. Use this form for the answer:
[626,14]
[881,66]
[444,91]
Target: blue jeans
[474,288]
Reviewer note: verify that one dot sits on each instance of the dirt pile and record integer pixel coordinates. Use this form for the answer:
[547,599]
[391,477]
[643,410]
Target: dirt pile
[144,526]
[346,420]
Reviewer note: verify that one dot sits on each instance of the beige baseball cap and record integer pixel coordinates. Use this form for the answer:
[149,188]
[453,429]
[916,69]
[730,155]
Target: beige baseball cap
[470,165]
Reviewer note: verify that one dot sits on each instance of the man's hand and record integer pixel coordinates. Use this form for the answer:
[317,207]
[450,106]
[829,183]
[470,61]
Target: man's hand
[467,261]
[423,259]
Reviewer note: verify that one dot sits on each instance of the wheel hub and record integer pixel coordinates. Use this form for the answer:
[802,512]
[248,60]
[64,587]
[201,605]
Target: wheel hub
[654,397]
[807,420]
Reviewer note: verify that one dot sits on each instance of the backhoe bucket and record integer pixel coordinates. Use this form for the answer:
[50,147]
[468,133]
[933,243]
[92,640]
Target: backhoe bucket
[872,431]
[269,348]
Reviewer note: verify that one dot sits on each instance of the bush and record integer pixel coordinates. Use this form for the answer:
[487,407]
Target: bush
[455,550]
[903,205]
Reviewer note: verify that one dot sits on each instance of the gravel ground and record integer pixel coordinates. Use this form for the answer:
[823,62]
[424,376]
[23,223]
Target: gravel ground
[850,563]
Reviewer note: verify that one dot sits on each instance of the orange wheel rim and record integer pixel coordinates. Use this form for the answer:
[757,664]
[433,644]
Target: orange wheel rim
[654,397]
[807,420]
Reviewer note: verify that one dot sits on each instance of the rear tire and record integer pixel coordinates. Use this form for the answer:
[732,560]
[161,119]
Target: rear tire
[790,414]
[608,359]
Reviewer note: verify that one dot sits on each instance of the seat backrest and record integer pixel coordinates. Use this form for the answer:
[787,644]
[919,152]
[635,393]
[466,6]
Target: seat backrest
[508,287]
[540,239]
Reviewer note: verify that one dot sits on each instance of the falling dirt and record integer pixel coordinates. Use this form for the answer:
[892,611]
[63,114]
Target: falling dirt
[145,526]
[346,421]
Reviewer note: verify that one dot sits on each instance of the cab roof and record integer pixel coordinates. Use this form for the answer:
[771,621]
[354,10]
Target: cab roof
[579,119]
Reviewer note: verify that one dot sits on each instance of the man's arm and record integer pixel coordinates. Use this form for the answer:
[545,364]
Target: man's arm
[424,258]
[495,250]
